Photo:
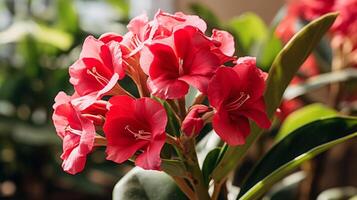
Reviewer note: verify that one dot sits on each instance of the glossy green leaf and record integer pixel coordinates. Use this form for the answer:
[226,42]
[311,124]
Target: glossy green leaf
[248,29]
[303,116]
[284,67]
[209,164]
[141,184]
[301,145]
[287,188]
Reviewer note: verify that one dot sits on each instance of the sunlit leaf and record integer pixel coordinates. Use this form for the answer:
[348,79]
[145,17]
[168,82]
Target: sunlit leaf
[248,29]
[297,147]
[303,116]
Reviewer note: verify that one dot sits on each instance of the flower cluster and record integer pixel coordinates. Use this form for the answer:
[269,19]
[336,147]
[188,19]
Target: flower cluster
[343,40]
[342,31]
[164,57]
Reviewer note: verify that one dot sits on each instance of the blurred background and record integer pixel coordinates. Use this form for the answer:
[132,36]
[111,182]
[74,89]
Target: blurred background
[39,40]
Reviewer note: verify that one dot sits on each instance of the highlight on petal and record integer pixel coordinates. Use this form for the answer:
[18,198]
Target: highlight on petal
[135,128]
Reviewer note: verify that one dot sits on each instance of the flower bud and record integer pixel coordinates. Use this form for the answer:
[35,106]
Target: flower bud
[193,122]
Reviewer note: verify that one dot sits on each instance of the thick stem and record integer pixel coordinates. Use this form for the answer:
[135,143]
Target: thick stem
[182,108]
[217,190]
[185,188]
[197,180]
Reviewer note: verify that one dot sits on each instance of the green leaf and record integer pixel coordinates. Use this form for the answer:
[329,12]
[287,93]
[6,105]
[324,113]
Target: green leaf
[122,6]
[67,16]
[210,163]
[267,51]
[320,81]
[303,116]
[287,188]
[282,71]
[248,29]
[299,146]
[174,168]
[141,184]
[41,33]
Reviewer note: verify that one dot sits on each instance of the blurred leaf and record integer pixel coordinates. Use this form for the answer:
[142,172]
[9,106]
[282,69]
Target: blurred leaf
[55,37]
[67,16]
[348,192]
[297,147]
[283,69]
[319,81]
[122,6]
[206,14]
[209,164]
[141,184]
[248,29]
[267,51]
[41,33]
[304,116]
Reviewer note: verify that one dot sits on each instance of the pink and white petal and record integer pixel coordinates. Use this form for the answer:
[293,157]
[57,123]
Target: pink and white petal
[74,163]
[91,48]
[110,36]
[226,40]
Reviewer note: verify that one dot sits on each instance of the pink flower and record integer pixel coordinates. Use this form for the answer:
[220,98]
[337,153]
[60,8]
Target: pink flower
[346,22]
[237,94]
[193,122]
[224,43]
[135,127]
[174,63]
[76,131]
[142,31]
[96,72]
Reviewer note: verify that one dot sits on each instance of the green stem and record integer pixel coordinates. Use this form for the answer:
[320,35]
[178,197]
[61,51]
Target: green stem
[197,180]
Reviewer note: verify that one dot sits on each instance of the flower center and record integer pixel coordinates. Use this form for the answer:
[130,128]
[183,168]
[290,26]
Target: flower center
[71,130]
[234,105]
[181,71]
[101,79]
[139,135]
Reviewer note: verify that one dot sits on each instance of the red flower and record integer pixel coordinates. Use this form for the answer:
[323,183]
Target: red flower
[135,126]
[182,59]
[237,94]
[76,131]
[98,69]
[193,123]
[142,31]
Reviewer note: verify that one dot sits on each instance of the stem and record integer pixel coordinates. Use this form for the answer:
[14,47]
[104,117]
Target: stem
[185,188]
[199,99]
[173,141]
[197,180]
[182,108]
[118,90]
[217,189]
